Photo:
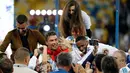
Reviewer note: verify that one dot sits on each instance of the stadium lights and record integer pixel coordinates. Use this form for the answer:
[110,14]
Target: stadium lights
[60,12]
[49,12]
[38,12]
[54,12]
[32,12]
[45,12]
[46,28]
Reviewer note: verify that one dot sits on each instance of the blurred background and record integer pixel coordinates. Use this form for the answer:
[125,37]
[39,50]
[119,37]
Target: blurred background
[42,16]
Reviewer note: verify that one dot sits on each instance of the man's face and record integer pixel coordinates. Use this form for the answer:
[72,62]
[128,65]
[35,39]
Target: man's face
[22,28]
[82,46]
[119,59]
[52,42]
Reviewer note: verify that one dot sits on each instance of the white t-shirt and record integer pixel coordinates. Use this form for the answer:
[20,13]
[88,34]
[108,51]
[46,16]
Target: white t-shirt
[111,49]
[20,68]
[86,20]
[125,69]
[76,55]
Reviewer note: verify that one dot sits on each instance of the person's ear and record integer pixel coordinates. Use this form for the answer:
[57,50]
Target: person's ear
[26,60]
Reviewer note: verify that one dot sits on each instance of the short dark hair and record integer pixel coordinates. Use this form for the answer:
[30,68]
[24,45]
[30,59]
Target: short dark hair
[50,33]
[64,59]
[80,38]
[6,65]
[21,18]
[21,54]
[109,65]
[98,60]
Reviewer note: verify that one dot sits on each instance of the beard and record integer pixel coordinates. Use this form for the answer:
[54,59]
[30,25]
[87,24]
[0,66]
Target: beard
[84,51]
[23,32]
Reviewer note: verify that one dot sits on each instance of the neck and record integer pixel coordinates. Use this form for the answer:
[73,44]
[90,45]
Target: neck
[66,68]
[19,62]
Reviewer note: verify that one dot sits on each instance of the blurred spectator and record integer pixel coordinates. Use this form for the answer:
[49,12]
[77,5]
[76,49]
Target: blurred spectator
[22,58]
[6,65]
[109,65]
[123,17]
[97,62]
[33,23]
[64,62]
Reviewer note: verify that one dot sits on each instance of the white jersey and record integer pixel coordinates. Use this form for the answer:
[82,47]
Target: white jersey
[111,49]
[86,20]
[125,69]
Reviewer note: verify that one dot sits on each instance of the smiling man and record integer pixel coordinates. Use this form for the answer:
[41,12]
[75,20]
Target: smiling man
[54,47]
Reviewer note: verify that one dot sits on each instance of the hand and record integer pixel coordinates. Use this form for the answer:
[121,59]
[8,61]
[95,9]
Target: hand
[78,68]
[75,68]
[95,50]
[63,40]
[65,43]
[87,68]
[36,52]
[105,51]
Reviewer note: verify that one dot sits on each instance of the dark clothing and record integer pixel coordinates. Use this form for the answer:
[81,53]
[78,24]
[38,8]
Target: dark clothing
[25,41]
[89,33]
[128,59]
[89,59]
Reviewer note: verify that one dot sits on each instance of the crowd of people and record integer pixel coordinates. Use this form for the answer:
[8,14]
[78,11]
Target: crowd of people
[73,52]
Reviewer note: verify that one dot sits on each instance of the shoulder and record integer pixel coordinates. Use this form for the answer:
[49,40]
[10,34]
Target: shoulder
[23,70]
[29,70]
[12,31]
[84,13]
[30,30]
[124,70]
[35,32]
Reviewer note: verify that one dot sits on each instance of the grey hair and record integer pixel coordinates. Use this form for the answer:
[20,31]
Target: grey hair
[64,59]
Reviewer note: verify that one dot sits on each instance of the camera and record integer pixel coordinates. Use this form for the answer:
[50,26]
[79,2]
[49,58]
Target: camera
[93,42]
